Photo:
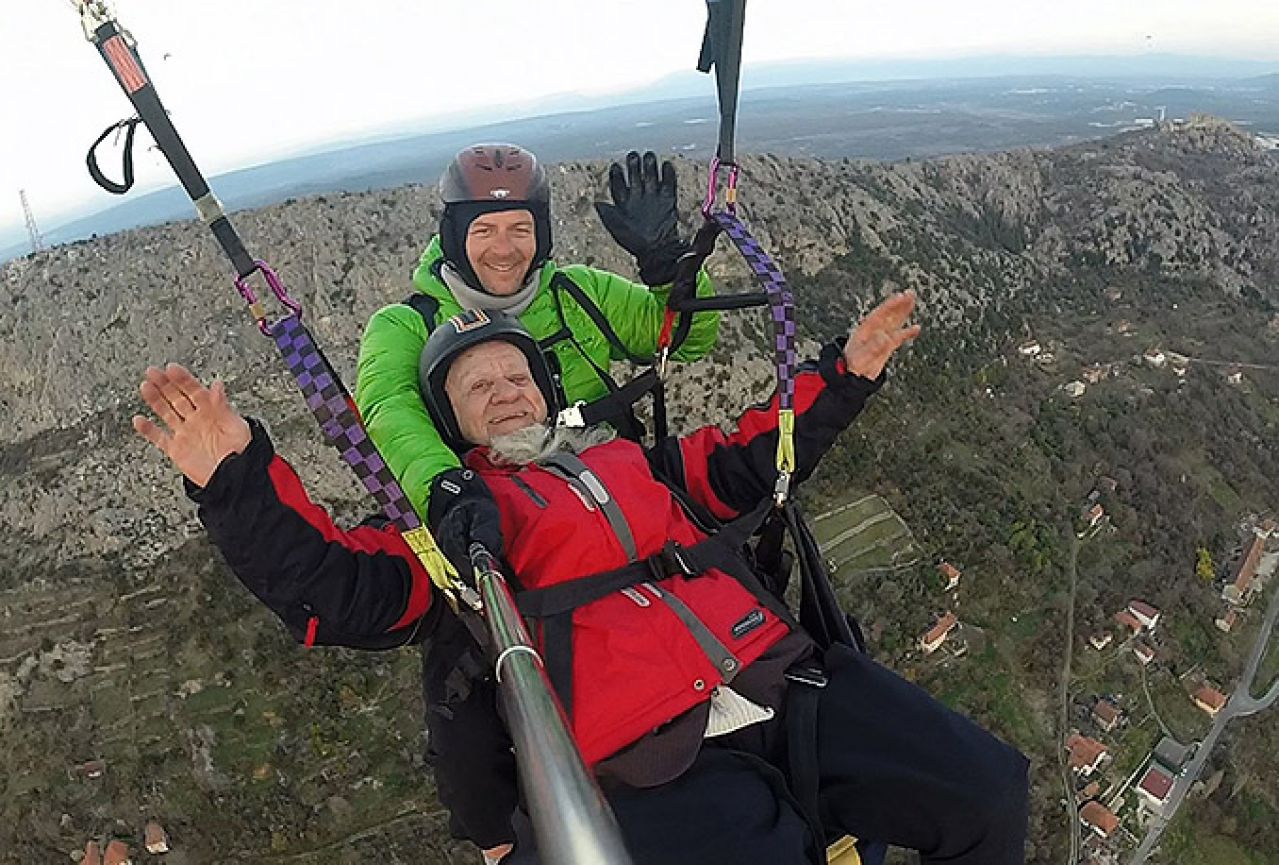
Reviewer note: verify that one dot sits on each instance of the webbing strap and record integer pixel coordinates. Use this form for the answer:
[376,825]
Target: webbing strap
[782,307]
[325,394]
[722,49]
[572,470]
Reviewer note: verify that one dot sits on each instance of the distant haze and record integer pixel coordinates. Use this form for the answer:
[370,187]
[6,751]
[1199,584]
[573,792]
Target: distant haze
[880,110]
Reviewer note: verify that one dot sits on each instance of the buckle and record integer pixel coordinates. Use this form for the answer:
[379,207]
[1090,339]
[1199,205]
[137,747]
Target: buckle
[670,561]
[813,677]
[572,416]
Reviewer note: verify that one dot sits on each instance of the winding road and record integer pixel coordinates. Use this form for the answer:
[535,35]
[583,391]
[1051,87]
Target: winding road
[1241,704]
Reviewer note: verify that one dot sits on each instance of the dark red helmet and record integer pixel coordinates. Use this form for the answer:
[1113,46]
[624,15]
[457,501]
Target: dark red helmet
[501,173]
[486,178]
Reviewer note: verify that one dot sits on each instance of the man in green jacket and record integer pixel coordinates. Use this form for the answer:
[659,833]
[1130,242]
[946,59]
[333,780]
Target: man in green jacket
[492,252]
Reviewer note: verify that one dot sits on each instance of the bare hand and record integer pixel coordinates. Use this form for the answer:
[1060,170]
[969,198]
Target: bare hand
[200,427]
[875,338]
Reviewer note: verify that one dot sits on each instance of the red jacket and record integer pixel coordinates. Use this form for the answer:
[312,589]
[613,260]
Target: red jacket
[636,663]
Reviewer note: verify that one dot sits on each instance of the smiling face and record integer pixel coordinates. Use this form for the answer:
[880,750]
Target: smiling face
[500,247]
[492,392]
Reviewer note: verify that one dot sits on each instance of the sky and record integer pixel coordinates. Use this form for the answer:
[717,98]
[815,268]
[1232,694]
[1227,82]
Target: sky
[249,81]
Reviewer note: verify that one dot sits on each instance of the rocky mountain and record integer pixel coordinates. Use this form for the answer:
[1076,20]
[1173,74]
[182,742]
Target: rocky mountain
[123,640]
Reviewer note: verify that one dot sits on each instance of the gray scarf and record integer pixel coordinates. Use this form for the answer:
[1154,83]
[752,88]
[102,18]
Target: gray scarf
[470,298]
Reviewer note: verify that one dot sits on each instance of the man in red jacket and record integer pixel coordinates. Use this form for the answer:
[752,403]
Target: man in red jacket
[673,662]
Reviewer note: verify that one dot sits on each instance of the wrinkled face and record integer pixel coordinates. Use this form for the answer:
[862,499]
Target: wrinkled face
[492,392]
[500,247]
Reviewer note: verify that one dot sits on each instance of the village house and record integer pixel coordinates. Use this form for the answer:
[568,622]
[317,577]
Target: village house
[1129,622]
[1100,641]
[1074,388]
[1234,376]
[1095,374]
[950,575]
[1155,787]
[90,770]
[1209,699]
[1099,818]
[1144,613]
[1172,754]
[1243,585]
[1106,484]
[155,838]
[1086,754]
[1226,621]
[932,640]
[117,854]
[1124,327]
[1155,358]
[1093,515]
[1029,348]
[1266,529]
[92,854]
[1091,791]
[1144,652]
[1107,715]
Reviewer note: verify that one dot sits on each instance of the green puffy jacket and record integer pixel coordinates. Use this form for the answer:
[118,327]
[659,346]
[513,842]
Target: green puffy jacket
[387,392]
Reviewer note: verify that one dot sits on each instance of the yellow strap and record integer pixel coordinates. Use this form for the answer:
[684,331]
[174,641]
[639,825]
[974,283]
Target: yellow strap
[423,545]
[786,440]
[843,852]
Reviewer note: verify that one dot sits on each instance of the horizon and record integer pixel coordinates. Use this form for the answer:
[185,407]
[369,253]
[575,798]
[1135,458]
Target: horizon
[687,84]
[241,102]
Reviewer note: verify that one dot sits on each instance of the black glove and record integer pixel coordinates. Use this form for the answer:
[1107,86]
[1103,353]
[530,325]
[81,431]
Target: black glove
[642,217]
[463,511]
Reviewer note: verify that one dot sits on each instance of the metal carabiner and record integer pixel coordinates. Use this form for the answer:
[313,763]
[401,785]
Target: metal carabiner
[712,187]
[256,309]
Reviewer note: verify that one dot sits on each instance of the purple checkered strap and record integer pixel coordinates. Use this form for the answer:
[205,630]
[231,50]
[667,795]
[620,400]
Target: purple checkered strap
[782,306]
[330,402]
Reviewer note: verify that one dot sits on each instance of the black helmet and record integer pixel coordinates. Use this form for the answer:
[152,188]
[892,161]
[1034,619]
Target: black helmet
[487,178]
[454,336]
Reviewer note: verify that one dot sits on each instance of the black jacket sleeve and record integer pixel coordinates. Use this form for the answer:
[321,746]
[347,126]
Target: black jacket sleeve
[730,474]
[350,587]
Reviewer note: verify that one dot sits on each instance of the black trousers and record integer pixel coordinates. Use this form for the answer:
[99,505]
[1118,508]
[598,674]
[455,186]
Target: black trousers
[894,765]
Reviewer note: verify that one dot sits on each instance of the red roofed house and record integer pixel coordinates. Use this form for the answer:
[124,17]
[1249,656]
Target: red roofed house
[1209,699]
[117,854]
[1154,788]
[1226,621]
[1240,590]
[92,855]
[1100,641]
[950,574]
[1144,613]
[1127,620]
[931,641]
[1093,515]
[1099,818]
[155,838]
[1086,755]
[1106,714]
[1092,791]
[1266,529]
[1144,652]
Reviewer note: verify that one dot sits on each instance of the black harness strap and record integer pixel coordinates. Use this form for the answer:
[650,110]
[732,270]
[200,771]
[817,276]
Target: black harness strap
[722,49]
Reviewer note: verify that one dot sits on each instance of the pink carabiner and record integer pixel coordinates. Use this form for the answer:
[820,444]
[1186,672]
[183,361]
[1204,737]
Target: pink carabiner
[712,187]
[273,282]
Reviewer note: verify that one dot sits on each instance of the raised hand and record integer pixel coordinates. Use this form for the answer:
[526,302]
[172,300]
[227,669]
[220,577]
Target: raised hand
[200,429]
[874,339]
[643,218]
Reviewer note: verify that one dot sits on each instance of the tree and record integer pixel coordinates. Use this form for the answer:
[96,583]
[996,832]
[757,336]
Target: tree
[1204,568]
